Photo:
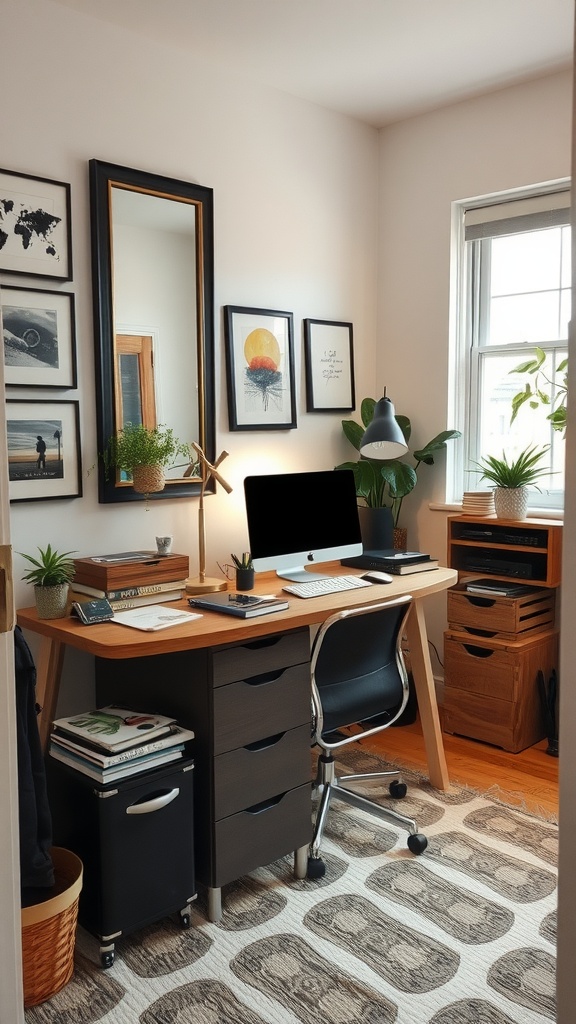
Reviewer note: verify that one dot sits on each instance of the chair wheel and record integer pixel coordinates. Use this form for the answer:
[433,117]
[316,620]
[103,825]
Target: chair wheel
[316,868]
[417,843]
[184,920]
[397,789]
[107,959]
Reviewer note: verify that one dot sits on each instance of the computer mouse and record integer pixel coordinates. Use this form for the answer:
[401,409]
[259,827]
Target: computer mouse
[375,576]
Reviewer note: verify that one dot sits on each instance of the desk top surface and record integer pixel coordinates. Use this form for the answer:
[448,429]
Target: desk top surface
[111,640]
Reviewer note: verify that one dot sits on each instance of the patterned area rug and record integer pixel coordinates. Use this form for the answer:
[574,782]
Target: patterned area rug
[463,934]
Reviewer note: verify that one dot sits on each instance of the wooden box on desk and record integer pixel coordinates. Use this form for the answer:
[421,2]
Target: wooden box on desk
[491,687]
[499,617]
[114,575]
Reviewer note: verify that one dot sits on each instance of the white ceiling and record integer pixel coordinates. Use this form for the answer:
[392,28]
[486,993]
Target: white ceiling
[375,60]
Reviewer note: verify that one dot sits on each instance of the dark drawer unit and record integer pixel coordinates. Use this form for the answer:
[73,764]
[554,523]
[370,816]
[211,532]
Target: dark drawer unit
[135,839]
[249,706]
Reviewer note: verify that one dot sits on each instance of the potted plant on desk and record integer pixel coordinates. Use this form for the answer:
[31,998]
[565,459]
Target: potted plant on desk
[51,575]
[143,453]
[383,485]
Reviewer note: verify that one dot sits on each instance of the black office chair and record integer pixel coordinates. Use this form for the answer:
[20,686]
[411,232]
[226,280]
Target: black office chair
[358,679]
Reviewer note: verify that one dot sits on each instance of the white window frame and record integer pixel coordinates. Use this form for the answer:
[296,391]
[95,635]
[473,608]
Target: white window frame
[463,399]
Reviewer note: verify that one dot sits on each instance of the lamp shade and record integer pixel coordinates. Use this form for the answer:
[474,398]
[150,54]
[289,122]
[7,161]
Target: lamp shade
[383,438]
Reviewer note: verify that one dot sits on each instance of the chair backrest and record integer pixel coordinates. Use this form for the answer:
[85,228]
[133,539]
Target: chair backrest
[357,668]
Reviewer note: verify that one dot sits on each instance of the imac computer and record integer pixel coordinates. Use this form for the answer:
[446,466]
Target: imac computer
[301,519]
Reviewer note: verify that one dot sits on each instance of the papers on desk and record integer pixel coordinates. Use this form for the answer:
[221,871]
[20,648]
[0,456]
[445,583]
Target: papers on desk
[153,617]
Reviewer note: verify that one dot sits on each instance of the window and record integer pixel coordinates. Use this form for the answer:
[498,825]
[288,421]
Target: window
[513,269]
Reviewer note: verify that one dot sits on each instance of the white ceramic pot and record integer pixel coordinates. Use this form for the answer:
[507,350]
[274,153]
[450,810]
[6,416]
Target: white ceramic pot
[511,502]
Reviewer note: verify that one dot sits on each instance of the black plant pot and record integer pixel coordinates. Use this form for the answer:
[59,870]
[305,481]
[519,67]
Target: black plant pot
[376,528]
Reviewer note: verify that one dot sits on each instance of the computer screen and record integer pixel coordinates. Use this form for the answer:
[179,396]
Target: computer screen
[300,519]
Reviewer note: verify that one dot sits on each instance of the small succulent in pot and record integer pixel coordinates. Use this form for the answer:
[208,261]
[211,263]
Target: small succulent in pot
[51,574]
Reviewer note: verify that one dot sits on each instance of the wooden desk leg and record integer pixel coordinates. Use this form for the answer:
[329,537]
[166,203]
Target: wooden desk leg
[426,693]
[48,672]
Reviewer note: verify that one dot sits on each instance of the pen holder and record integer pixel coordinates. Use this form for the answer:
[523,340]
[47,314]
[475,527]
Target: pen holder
[244,579]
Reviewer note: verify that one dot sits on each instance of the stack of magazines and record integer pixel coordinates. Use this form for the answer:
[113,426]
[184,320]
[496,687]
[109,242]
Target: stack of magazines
[112,743]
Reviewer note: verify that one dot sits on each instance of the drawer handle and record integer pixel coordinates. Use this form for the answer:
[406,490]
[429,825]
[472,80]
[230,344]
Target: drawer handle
[488,633]
[262,680]
[155,803]
[481,602]
[270,741]
[265,641]
[478,652]
[265,805]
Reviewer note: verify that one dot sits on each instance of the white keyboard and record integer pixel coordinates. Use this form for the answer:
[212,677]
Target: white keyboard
[317,588]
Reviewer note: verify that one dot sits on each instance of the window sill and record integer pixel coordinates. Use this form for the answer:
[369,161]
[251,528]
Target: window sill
[556,515]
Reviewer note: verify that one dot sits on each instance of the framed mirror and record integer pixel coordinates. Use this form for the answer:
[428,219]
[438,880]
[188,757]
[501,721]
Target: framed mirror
[153,282]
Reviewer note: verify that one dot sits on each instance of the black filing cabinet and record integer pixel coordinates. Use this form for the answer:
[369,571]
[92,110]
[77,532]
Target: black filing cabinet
[135,839]
[249,706]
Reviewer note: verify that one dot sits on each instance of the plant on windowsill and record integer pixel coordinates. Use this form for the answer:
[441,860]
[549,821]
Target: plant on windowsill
[383,485]
[542,391]
[51,574]
[144,452]
[511,479]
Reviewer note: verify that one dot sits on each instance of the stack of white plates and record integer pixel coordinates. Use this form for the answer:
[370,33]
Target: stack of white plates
[478,503]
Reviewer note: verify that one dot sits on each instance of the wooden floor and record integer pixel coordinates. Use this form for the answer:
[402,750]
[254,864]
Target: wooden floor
[528,779]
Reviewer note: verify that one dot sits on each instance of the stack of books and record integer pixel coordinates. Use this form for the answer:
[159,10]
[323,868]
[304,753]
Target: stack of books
[130,579]
[400,563]
[113,743]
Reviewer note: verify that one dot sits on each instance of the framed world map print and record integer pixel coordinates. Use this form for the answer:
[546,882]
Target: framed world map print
[35,231]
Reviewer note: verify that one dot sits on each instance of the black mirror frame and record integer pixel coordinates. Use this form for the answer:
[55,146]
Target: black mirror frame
[100,175]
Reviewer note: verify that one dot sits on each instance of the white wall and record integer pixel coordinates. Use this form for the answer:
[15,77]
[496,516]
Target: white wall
[295,190]
[506,139]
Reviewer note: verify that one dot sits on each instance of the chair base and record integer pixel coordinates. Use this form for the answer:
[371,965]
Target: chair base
[329,786]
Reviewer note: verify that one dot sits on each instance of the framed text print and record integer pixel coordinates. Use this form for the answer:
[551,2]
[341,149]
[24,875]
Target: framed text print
[329,358]
[39,337]
[35,232]
[43,450]
[260,368]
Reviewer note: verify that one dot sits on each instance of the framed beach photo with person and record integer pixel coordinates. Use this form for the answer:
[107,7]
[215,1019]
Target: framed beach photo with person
[43,450]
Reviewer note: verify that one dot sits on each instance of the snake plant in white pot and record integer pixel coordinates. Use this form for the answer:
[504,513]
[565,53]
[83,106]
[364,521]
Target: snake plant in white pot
[512,479]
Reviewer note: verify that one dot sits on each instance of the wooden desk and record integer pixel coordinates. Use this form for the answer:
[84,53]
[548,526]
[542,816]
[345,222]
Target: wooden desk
[244,687]
[118,642]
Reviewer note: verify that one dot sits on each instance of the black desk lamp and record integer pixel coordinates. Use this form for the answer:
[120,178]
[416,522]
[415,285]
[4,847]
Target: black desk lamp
[383,438]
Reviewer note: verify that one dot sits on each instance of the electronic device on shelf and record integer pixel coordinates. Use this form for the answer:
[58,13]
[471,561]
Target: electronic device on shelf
[522,570]
[301,519]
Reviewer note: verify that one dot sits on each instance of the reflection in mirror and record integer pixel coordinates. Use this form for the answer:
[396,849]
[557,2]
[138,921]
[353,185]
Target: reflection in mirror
[153,292]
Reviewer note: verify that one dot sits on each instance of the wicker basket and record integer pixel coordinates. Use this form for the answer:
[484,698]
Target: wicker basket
[49,932]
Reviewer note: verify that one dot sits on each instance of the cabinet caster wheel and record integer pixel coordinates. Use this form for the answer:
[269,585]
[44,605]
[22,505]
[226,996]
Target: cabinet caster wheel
[316,867]
[397,790]
[184,920]
[417,843]
[107,959]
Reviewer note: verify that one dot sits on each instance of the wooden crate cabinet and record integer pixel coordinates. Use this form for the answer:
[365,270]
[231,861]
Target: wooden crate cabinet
[491,692]
[495,646]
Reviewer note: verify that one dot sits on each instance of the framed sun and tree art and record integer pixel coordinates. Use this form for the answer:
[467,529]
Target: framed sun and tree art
[43,450]
[35,229]
[39,338]
[260,368]
[329,360]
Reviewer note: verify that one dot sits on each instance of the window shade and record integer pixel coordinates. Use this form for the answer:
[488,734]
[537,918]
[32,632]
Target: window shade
[546,210]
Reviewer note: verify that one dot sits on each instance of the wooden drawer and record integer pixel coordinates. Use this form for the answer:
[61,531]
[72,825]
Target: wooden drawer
[512,726]
[496,668]
[258,771]
[501,617]
[262,834]
[261,706]
[264,654]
